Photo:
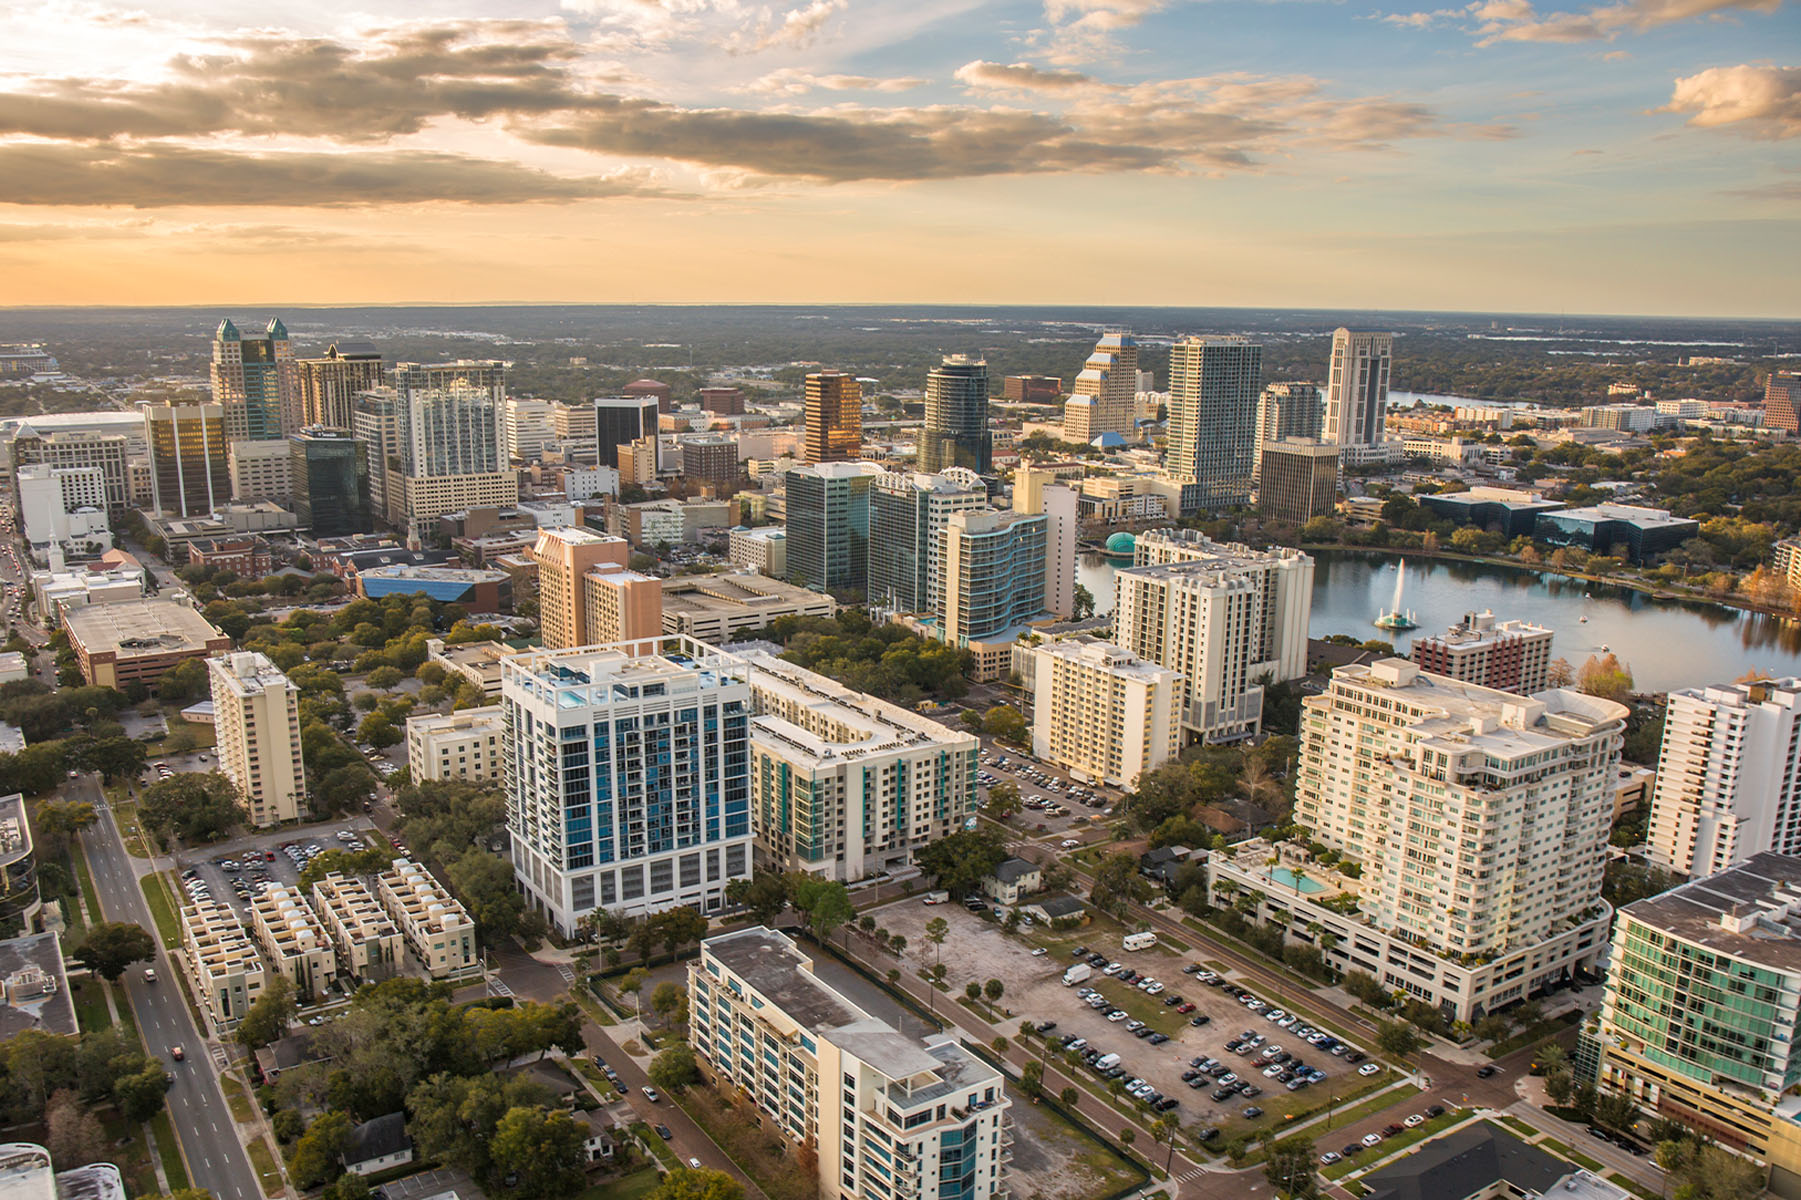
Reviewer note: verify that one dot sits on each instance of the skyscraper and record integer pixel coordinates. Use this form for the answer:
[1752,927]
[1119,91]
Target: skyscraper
[257,717]
[374,422]
[628,777]
[525,425]
[907,516]
[328,385]
[956,430]
[1357,389]
[587,596]
[1286,410]
[1782,401]
[1299,481]
[330,474]
[834,420]
[711,459]
[828,525]
[1213,384]
[190,474]
[449,417]
[993,583]
[255,382]
[620,421]
[1104,397]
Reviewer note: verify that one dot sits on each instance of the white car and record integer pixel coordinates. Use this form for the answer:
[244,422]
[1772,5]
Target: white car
[1118,1014]
[1415,1121]
[1040,952]
[1274,1014]
[1155,988]
[1372,1139]
[1368,1069]
[1328,1158]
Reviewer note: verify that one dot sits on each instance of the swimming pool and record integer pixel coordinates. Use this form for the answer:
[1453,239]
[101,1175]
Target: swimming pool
[1285,877]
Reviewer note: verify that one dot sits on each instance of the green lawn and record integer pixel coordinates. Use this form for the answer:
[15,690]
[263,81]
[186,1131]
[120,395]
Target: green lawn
[168,1148]
[1520,1127]
[639,1183]
[90,1004]
[262,1161]
[162,909]
[1407,1137]
[658,1146]
[1633,1186]
[238,1100]
[130,1153]
[127,1022]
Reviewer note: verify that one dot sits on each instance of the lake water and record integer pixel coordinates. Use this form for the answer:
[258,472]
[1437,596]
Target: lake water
[1667,644]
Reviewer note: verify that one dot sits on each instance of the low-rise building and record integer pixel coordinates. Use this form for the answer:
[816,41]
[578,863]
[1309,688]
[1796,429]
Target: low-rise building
[435,925]
[13,667]
[716,608]
[366,939]
[1506,511]
[138,641]
[1013,880]
[245,557]
[478,591]
[1103,713]
[225,968]
[1626,531]
[34,986]
[378,1145]
[886,1114]
[294,940]
[59,592]
[763,550]
[1510,656]
[478,662]
[465,744]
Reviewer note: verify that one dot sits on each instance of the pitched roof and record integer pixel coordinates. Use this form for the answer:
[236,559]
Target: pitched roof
[379,1138]
[1463,1163]
[1012,870]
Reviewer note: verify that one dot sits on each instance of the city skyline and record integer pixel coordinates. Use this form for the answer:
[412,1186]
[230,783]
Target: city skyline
[1620,158]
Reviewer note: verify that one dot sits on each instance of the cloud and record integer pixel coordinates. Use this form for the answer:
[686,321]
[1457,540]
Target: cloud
[161,175]
[1766,101]
[1021,77]
[1084,30]
[796,28]
[792,81]
[1491,21]
[1787,193]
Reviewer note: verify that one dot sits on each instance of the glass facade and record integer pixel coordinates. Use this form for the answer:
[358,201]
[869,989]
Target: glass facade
[189,472]
[620,422]
[1213,394]
[828,527]
[330,473]
[956,423]
[449,417]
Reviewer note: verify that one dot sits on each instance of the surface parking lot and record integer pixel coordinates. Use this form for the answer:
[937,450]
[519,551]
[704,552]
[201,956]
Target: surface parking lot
[1034,991]
[234,872]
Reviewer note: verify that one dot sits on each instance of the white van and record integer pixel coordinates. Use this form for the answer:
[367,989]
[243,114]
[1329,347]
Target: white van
[1106,1062]
[1139,941]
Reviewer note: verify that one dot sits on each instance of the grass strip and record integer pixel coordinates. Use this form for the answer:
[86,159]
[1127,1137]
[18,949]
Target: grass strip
[162,909]
[262,1161]
[168,1148]
[1518,1126]
[638,1184]
[1633,1186]
[127,1021]
[658,1147]
[1534,1035]
[1402,1140]
[90,1004]
[238,1100]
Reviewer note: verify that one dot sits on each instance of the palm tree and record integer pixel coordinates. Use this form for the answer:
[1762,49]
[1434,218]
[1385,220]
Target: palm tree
[1297,874]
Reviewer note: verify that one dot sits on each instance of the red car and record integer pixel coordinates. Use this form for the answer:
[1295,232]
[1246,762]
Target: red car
[268,856]
[1184,1008]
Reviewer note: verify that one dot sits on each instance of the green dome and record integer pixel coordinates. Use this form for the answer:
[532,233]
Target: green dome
[1122,543]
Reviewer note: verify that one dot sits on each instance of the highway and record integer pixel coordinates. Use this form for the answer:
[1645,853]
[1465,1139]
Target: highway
[209,1138]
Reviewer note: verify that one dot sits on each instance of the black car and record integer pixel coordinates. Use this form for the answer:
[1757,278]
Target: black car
[1233,1045]
[1199,1082]
[1157,1039]
[1596,1132]
[1351,1151]
[1190,1076]
[600,1062]
[663,1132]
[1251,1113]
[1197,1022]
[1435,1110]
[1357,1056]
[1225,1093]
[1046,1026]
[1081,952]
[1142,1032]
[1197,1060]
[1171,1001]
[1097,960]
[1484,1072]
[1191,968]
[1206,1135]
[1166,1104]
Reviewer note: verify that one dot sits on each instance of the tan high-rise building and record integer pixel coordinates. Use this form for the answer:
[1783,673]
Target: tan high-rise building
[621,605]
[1357,390]
[563,557]
[255,382]
[834,418]
[256,715]
[328,385]
[1102,712]
[373,421]
[1104,398]
[637,460]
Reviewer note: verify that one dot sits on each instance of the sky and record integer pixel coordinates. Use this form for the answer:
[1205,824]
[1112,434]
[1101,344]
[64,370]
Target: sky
[1635,156]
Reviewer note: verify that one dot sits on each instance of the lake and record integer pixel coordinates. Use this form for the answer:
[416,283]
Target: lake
[1668,644]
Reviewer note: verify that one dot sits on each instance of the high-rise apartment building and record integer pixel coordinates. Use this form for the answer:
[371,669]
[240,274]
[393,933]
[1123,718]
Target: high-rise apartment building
[1102,713]
[464,744]
[1213,388]
[1299,480]
[1221,614]
[328,385]
[75,448]
[907,516]
[376,425]
[1728,776]
[1357,387]
[845,785]
[1509,656]
[260,470]
[525,426]
[1039,491]
[189,472]
[448,418]
[834,418]
[1285,410]
[828,524]
[573,423]
[620,421]
[330,473]
[1701,1017]
[628,777]
[1104,396]
[711,460]
[256,713]
[887,1115]
[563,557]
[1480,821]
[1782,401]
[956,431]
[993,584]
[255,382]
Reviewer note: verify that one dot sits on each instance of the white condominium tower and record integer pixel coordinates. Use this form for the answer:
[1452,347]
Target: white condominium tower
[890,1117]
[1104,398]
[1103,713]
[256,715]
[1726,777]
[627,774]
[844,785]
[1480,818]
[1285,410]
[1357,389]
[1213,388]
[1222,615]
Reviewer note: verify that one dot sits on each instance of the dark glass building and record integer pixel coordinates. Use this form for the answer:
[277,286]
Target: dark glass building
[330,470]
[620,421]
[956,425]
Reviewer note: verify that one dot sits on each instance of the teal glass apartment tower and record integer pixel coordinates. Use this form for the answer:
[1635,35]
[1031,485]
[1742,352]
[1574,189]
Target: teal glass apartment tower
[828,525]
[1213,391]
[956,425]
[907,516]
[330,473]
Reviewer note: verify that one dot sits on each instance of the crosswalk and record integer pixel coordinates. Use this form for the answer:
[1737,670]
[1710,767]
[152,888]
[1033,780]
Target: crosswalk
[567,974]
[498,986]
[1191,1176]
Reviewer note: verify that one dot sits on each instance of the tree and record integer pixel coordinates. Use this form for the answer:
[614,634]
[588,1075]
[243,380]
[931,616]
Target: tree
[193,807]
[269,1014]
[993,989]
[764,894]
[377,731]
[937,929]
[1288,1165]
[960,862]
[1399,1040]
[1604,676]
[1004,723]
[825,901]
[668,997]
[972,991]
[74,1135]
[141,1094]
[56,821]
[1069,1096]
[1118,883]
[1084,604]
[1003,800]
[383,678]
[634,982]
[184,682]
[112,946]
[1366,987]
[543,1149]
[1031,1079]
[688,1183]
[315,1158]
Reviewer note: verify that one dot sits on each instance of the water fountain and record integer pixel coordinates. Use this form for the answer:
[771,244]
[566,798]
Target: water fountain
[1396,619]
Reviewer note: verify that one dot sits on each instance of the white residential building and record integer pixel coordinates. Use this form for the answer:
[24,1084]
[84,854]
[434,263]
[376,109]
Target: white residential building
[889,1116]
[461,745]
[435,926]
[256,716]
[1223,615]
[1727,777]
[64,507]
[226,970]
[628,781]
[845,785]
[261,470]
[525,426]
[1103,713]
[368,943]
[1480,820]
[763,550]
[294,940]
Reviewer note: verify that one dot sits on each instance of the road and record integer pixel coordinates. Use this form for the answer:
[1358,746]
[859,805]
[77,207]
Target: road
[216,1160]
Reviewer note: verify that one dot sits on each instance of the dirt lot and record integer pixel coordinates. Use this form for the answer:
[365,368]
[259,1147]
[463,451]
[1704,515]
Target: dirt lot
[978,949]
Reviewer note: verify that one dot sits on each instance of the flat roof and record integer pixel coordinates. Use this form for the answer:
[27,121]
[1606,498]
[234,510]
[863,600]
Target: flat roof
[771,963]
[1751,911]
[458,574]
[36,986]
[140,627]
[1644,518]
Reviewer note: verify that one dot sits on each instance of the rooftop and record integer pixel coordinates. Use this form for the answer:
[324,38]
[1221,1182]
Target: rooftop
[134,627]
[840,723]
[35,986]
[1106,656]
[26,1173]
[458,574]
[1751,912]
[250,673]
[772,965]
[731,589]
[1463,1163]
[1478,628]
[461,719]
[1644,518]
